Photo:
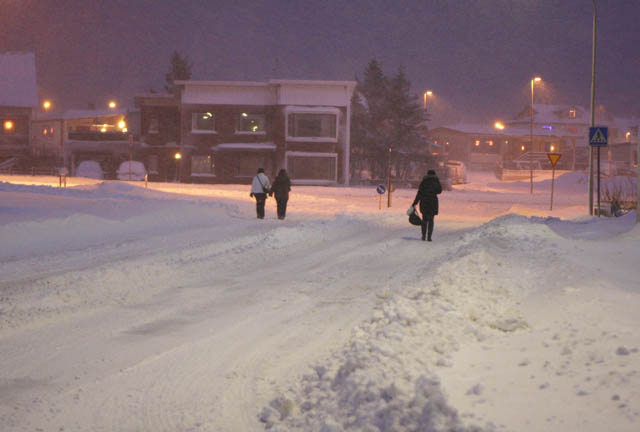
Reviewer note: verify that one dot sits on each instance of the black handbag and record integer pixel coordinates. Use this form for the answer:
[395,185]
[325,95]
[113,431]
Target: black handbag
[414,219]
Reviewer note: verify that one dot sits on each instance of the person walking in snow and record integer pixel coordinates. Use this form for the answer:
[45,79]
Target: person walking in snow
[281,187]
[427,196]
[260,187]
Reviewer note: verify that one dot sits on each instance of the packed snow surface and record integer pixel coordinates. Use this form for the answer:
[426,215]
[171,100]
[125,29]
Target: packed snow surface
[173,308]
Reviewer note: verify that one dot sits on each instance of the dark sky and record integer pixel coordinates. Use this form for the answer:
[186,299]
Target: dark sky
[478,56]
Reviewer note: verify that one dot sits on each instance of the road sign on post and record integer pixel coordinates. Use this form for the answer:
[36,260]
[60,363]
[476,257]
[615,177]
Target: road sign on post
[553,158]
[381,190]
[598,137]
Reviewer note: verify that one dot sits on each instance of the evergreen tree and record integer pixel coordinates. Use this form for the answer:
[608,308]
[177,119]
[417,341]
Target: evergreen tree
[385,115]
[179,69]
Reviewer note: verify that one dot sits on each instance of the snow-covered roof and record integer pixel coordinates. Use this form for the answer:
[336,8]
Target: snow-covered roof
[245,146]
[74,114]
[549,114]
[312,109]
[18,86]
[482,129]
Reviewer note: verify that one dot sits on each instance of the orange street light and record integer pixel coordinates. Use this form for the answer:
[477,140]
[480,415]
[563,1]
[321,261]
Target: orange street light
[8,125]
[112,104]
[498,125]
[428,93]
[178,156]
[46,105]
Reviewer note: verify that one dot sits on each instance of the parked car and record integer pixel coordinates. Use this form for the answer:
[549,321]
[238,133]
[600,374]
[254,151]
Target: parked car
[138,171]
[89,169]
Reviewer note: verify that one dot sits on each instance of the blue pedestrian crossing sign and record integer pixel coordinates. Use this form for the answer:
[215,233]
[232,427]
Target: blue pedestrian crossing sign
[381,189]
[598,136]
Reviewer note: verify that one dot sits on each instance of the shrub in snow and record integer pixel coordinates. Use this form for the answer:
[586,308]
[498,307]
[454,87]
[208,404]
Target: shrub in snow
[621,193]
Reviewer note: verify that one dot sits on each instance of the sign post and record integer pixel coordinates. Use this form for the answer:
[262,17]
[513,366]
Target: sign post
[130,154]
[381,190]
[553,158]
[598,137]
[389,179]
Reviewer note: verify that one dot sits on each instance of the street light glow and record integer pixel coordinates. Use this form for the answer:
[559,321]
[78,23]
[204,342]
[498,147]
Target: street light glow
[122,124]
[537,79]
[178,156]
[46,105]
[112,104]
[8,125]
[428,93]
[498,125]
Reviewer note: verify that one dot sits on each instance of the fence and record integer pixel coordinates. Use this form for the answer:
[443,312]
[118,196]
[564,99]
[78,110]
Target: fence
[30,171]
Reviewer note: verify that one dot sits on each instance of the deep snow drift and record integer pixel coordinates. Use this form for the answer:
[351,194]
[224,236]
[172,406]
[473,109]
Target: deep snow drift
[173,308]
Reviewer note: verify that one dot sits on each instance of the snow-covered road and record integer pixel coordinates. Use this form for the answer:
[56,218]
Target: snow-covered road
[174,309]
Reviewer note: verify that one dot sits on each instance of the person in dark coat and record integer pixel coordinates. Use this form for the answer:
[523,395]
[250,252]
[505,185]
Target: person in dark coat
[260,187]
[281,188]
[427,196]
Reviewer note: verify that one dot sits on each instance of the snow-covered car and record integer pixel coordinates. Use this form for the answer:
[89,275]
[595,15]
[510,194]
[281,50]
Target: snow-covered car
[138,171]
[89,169]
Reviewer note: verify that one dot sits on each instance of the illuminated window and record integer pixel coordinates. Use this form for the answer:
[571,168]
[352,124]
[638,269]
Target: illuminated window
[572,113]
[203,122]
[311,125]
[250,123]
[490,143]
[477,143]
[522,148]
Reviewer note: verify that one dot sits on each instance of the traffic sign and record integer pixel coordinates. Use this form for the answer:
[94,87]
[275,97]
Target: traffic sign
[554,158]
[598,136]
[381,189]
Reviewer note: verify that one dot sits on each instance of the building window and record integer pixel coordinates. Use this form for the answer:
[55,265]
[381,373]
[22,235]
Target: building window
[247,165]
[247,123]
[202,165]
[572,113]
[154,125]
[203,122]
[312,167]
[311,125]
[153,164]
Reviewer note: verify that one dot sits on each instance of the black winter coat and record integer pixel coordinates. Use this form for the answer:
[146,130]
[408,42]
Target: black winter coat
[281,186]
[427,195]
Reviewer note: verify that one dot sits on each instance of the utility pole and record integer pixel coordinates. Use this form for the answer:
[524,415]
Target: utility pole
[593,117]
[389,180]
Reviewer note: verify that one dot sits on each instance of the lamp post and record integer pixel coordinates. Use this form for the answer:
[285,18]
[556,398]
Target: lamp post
[593,117]
[533,81]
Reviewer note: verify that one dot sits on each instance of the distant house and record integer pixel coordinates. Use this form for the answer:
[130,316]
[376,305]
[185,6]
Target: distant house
[75,136]
[555,128]
[225,130]
[18,99]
